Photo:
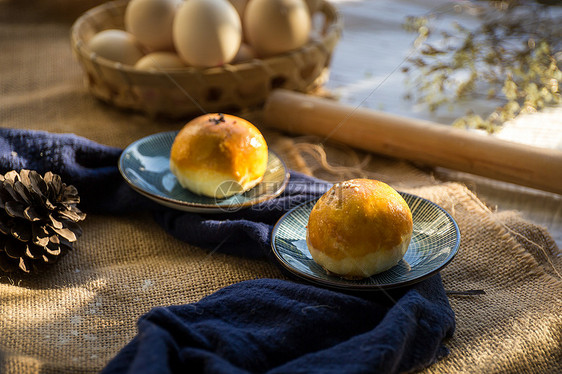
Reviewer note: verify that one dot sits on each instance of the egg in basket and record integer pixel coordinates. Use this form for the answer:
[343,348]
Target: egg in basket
[176,58]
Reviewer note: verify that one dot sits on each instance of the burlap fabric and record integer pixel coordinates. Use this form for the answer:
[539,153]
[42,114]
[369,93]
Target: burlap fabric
[75,317]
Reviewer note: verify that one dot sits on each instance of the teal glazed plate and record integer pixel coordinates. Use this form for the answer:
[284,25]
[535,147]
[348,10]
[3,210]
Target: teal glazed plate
[145,165]
[435,241]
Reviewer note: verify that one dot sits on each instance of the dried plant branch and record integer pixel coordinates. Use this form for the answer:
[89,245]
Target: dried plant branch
[514,56]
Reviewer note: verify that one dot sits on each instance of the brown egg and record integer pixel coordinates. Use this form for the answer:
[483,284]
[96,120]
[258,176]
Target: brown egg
[245,53]
[116,45]
[150,21]
[207,32]
[160,61]
[240,6]
[273,27]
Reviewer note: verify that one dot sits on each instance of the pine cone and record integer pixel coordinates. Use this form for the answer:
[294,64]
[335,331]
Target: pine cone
[38,220]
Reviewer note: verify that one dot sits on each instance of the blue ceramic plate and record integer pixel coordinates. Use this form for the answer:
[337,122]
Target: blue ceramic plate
[434,243]
[145,166]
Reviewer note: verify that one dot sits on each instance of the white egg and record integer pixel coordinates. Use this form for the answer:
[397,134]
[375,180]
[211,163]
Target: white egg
[116,45]
[207,32]
[156,61]
[150,21]
[273,27]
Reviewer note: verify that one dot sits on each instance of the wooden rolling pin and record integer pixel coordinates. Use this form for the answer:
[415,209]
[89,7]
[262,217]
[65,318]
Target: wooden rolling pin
[415,140]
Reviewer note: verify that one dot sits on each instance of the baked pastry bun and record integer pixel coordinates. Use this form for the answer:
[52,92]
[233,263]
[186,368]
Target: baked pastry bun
[359,228]
[218,155]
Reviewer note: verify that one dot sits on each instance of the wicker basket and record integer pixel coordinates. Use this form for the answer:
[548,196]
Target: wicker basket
[187,91]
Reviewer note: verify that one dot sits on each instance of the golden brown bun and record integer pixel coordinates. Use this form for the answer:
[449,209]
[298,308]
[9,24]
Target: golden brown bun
[359,228]
[218,155]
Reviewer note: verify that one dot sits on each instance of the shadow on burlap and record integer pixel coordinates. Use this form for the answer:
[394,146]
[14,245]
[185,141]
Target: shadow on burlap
[75,317]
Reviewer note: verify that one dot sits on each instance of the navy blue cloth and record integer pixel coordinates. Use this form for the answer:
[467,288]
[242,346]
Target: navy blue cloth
[262,325]
[89,166]
[276,326]
[246,232]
